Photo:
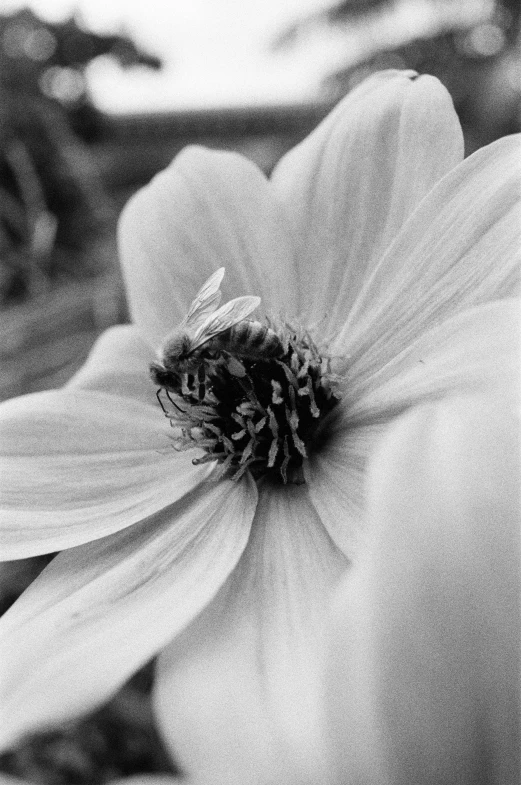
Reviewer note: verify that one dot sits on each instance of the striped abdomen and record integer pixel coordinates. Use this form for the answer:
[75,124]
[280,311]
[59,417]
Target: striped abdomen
[249,339]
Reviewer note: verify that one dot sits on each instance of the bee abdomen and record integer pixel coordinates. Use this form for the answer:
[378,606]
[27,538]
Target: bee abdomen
[253,339]
[250,339]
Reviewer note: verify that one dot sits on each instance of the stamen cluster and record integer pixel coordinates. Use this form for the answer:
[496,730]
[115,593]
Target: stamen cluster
[256,415]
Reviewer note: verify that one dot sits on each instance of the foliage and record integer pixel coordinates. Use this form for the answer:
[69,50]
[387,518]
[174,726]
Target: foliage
[480,65]
[52,202]
[476,56]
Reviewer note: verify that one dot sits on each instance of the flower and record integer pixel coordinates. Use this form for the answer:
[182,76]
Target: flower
[402,259]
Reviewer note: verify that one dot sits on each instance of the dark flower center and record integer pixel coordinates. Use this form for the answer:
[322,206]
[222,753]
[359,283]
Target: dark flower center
[259,415]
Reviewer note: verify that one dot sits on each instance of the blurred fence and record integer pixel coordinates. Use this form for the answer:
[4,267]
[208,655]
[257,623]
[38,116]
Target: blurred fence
[130,149]
[46,338]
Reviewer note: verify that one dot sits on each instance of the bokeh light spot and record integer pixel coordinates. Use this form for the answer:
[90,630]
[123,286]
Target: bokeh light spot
[486,40]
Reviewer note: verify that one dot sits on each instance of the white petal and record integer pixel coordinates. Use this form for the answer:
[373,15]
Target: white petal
[100,611]
[336,480]
[238,693]
[207,210]
[119,364]
[79,465]
[351,185]
[424,675]
[462,247]
[477,348]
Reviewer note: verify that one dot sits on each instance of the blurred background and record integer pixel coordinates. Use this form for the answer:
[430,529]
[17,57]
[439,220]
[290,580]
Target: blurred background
[95,98]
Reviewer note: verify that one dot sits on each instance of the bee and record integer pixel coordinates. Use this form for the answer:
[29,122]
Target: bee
[207,331]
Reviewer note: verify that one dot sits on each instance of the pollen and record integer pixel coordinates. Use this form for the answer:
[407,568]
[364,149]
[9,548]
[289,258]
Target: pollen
[261,416]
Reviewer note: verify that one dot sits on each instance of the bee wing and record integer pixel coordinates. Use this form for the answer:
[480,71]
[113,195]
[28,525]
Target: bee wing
[205,302]
[228,314]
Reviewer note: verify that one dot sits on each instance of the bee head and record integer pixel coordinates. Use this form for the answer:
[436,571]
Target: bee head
[162,377]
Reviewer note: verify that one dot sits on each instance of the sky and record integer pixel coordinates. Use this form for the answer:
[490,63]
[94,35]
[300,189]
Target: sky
[216,52]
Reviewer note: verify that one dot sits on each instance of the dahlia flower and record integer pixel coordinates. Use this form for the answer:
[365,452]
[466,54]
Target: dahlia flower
[387,266]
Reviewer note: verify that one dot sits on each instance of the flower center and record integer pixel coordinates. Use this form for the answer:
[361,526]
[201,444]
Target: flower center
[251,412]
